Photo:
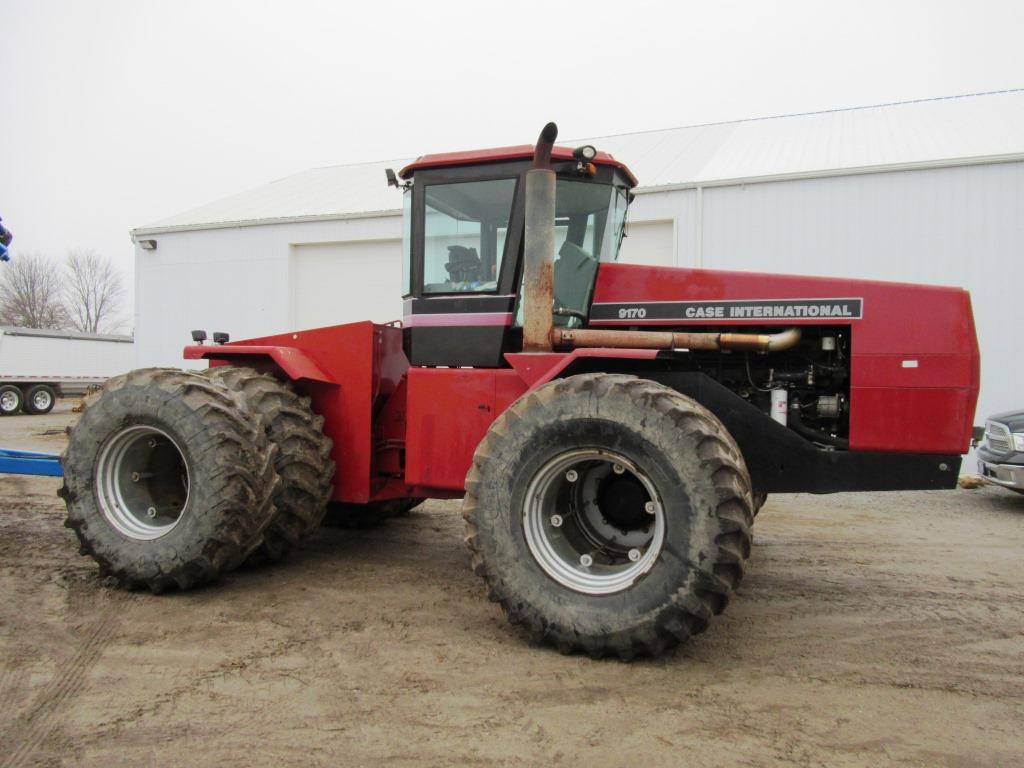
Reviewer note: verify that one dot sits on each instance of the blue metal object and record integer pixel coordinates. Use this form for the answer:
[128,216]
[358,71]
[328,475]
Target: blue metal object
[30,463]
[5,241]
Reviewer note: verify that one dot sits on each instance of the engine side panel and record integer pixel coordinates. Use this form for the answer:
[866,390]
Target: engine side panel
[914,355]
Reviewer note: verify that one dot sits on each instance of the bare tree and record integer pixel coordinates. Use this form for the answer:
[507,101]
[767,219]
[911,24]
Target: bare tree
[30,292]
[93,291]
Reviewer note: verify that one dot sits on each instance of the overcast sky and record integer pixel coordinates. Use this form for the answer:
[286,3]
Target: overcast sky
[116,114]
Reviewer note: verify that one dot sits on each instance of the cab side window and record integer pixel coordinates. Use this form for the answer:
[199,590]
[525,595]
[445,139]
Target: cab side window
[465,227]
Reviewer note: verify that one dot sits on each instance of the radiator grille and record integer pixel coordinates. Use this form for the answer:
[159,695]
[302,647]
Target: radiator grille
[998,437]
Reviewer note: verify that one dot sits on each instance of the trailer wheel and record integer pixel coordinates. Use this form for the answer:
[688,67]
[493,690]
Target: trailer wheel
[303,460]
[346,515]
[609,514]
[40,399]
[167,482]
[11,399]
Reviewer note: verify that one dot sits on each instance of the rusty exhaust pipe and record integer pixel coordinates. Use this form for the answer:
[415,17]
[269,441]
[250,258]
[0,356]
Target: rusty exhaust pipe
[761,342]
[539,333]
[539,247]
[753,342]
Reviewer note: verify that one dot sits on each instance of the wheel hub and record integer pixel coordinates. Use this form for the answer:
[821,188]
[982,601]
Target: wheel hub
[593,521]
[621,499]
[8,401]
[142,482]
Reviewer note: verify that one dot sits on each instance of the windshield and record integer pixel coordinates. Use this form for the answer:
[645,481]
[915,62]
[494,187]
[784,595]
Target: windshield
[589,219]
[589,222]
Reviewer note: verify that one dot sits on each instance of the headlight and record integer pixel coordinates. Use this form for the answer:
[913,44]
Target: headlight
[1018,441]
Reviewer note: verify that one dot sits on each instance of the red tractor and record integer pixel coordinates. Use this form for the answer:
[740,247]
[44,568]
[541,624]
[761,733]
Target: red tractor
[613,429]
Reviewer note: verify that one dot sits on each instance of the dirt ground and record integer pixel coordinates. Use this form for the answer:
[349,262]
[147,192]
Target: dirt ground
[871,629]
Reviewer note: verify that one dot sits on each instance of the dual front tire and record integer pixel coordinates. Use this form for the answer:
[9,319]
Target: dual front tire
[172,478]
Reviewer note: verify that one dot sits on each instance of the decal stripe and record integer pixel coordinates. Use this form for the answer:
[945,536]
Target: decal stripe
[728,310]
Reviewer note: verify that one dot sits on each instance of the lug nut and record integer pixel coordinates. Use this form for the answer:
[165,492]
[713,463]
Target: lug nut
[556,521]
[650,507]
[572,476]
[586,561]
[618,469]
[634,554]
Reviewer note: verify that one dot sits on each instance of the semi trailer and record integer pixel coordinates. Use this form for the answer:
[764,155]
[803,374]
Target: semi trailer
[39,365]
[611,429]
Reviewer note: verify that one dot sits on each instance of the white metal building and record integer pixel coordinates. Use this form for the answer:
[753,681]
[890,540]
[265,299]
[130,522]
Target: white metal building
[928,191]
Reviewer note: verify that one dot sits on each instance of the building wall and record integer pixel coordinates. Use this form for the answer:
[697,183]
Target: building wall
[955,226]
[960,226]
[237,280]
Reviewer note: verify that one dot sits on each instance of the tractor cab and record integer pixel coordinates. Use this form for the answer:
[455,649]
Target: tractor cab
[464,219]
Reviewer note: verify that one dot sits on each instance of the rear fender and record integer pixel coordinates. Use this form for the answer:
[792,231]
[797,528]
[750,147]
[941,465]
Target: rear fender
[292,363]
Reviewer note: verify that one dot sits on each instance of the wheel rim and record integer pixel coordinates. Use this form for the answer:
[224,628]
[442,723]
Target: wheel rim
[9,401]
[593,521]
[41,400]
[142,482]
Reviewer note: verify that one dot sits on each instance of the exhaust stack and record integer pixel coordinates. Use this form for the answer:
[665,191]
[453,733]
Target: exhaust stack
[539,247]
[539,332]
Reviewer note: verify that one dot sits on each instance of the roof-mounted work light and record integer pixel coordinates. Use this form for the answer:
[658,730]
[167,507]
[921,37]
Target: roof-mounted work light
[586,153]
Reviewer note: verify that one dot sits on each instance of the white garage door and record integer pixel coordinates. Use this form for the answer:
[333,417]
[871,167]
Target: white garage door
[334,283]
[648,242]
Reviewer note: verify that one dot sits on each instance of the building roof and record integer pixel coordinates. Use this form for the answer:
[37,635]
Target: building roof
[956,130]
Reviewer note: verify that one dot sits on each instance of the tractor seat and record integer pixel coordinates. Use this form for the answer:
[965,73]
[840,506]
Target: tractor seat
[464,265]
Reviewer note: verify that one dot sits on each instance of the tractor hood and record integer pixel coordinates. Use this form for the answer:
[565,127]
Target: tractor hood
[914,347]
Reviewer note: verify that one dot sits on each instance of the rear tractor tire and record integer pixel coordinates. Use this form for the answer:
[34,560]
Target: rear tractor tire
[303,460]
[609,514]
[167,482]
[359,516]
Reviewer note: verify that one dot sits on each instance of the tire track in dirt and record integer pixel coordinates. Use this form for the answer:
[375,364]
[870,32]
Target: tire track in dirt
[11,679]
[40,721]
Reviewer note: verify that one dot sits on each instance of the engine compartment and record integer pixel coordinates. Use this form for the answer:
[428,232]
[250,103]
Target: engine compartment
[806,388]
